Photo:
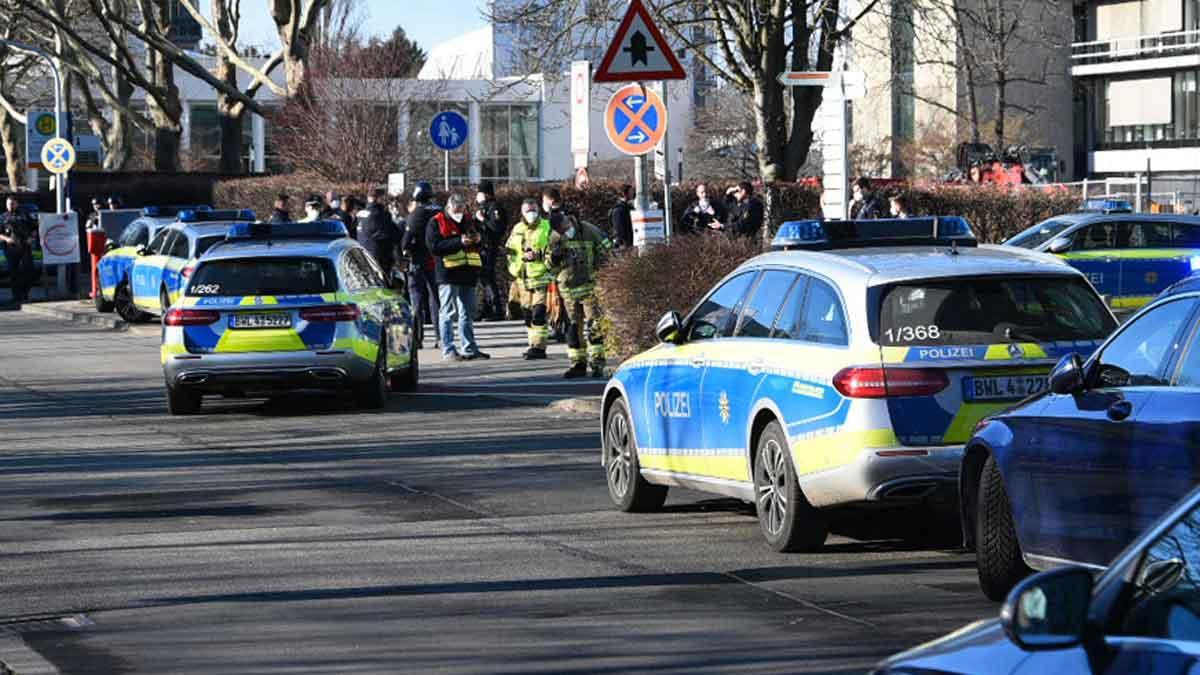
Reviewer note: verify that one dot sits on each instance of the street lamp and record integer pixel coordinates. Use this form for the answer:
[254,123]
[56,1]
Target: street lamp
[60,199]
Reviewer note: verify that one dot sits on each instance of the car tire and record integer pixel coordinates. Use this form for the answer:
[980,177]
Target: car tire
[407,379]
[997,551]
[183,401]
[102,306]
[626,487]
[372,394]
[123,303]
[164,301]
[788,522]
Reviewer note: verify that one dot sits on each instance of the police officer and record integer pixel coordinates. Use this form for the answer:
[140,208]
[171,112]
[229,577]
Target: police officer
[280,213]
[312,209]
[18,232]
[492,220]
[528,246]
[376,231]
[577,249]
[422,287]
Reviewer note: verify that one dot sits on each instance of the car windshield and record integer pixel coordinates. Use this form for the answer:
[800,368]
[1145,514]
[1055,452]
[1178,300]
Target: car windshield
[992,310]
[1039,234]
[263,276]
[205,243]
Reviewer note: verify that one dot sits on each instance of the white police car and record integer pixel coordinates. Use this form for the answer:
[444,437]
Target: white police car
[848,370]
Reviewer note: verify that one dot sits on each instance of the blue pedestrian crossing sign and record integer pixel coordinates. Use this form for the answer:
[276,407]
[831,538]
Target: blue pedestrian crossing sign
[58,155]
[635,120]
[448,130]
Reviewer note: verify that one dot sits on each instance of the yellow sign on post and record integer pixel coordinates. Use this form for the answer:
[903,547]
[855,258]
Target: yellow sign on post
[58,155]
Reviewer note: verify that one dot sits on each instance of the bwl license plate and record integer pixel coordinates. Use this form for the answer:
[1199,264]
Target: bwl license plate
[264,320]
[1013,387]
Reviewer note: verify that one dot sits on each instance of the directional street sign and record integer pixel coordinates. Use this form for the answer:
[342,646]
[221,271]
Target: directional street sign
[849,84]
[635,120]
[58,155]
[41,128]
[639,51]
[448,130]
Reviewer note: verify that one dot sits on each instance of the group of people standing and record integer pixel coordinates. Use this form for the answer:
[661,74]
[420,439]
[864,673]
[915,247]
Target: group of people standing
[739,212]
[868,204]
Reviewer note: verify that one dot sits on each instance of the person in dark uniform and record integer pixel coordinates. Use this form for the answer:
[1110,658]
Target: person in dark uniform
[422,286]
[18,232]
[376,231]
[746,216]
[620,217]
[280,213]
[492,220]
[703,214]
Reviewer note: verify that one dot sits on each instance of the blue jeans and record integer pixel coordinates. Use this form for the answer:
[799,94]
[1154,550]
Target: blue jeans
[458,302]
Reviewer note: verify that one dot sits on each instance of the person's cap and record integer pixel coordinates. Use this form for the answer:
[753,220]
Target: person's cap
[487,188]
[314,200]
[558,220]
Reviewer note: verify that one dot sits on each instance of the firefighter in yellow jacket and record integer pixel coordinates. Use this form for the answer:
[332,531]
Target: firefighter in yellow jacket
[529,265]
[576,251]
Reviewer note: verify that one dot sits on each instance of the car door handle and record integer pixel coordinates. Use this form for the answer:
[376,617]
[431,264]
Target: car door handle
[1120,410]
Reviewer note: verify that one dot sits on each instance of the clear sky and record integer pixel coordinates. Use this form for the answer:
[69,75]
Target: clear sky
[426,21]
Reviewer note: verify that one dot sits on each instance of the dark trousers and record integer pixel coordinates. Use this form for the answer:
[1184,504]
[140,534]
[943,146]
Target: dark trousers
[422,299]
[20,271]
[492,305]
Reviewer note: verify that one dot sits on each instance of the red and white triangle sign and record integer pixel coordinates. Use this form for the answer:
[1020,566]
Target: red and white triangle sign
[639,51]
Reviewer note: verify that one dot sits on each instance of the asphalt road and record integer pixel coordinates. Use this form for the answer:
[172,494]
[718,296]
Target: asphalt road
[452,532]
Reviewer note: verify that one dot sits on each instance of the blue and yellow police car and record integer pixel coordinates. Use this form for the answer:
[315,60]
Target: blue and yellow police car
[1129,257]
[116,266]
[160,270]
[287,306]
[848,368]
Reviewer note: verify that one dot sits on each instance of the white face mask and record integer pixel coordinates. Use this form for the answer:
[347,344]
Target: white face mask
[530,217]
[456,217]
[570,233]
[546,207]
[481,199]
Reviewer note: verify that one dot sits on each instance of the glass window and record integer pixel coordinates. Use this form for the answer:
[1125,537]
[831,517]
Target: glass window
[205,243]
[759,314]
[509,142]
[158,243]
[1165,598]
[790,323]
[1096,236]
[1185,235]
[992,310]
[137,234]
[1189,370]
[1184,124]
[714,317]
[178,248]
[1039,234]
[1143,234]
[360,272]
[1138,355]
[263,276]
[824,320]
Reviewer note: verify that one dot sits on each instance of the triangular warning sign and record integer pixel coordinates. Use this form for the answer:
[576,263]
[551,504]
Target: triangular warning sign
[639,51]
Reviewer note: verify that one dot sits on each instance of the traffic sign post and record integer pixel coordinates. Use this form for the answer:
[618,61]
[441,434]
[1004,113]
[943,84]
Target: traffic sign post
[840,88]
[58,156]
[639,51]
[635,121]
[448,131]
[581,132]
[662,163]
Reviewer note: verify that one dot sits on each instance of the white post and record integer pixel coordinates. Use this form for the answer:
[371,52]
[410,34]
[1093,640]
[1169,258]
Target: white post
[258,135]
[641,184]
[1137,205]
[666,143]
[1085,189]
[474,142]
[447,153]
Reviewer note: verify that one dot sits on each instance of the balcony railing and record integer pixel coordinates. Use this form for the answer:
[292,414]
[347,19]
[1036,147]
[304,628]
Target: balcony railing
[1136,47]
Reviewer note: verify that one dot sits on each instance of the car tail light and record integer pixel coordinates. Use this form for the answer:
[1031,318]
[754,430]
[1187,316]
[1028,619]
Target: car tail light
[329,313]
[190,317]
[186,272]
[889,382]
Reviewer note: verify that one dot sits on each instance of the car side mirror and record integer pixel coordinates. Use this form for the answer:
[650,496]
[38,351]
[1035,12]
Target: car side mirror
[1060,245]
[141,249]
[1160,576]
[669,327]
[109,245]
[1067,376]
[1049,611]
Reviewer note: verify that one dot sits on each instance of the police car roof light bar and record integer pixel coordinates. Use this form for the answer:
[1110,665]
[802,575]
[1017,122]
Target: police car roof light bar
[216,215]
[1104,205]
[316,229]
[172,211]
[834,234]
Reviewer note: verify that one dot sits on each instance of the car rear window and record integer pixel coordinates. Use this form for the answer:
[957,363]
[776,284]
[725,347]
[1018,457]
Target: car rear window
[991,310]
[263,276]
[205,243]
[1039,234]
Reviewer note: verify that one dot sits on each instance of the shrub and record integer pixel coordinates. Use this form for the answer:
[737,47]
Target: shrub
[636,290]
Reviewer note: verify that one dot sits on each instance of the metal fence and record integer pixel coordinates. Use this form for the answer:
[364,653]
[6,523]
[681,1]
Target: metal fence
[1158,194]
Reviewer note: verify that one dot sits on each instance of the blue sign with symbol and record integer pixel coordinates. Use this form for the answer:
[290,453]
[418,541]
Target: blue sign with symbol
[448,130]
[635,120]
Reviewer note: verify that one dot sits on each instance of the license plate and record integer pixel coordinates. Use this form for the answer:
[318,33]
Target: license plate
[263,320]
[1012,387]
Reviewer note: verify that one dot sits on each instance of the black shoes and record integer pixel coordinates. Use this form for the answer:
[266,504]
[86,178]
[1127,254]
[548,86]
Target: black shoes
[576,370]
[533,354]
[477,356]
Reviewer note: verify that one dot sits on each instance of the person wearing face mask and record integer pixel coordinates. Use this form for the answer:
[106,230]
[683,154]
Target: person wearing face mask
[376,231]
[527,246]
[422,283]
[454,241]
[492,221]
[577,250]
[704,214]
[312,209]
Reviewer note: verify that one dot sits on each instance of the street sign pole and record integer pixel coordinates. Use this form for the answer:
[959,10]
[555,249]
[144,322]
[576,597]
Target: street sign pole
[666,146]
[447,154]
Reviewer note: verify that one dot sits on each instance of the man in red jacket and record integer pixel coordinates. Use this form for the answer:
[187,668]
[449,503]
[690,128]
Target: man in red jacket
[454,241]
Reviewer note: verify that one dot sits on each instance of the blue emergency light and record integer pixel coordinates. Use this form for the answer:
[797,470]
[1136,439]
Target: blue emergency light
[829,234]
[1103,205]
[315,229]
[172,211]
[216,215]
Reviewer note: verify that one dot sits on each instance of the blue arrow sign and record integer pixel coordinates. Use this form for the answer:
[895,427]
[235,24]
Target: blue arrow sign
[448,130]
[634,120]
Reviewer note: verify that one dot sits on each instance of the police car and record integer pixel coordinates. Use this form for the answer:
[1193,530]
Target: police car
[287,306]
[1130,258]
[115,268]
[848,368]
[161,269]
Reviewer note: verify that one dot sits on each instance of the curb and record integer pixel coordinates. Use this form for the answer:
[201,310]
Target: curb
[111,322]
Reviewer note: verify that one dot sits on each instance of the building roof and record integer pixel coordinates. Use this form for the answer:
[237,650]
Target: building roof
[470,56]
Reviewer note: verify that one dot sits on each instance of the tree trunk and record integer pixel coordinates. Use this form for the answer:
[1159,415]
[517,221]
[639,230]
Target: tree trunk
[1001,105]
[12,157]
[166,113]
[228,110]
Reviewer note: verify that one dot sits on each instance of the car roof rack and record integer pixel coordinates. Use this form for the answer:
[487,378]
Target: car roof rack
[818,235]
[216,215]
[172,211]
[260,231]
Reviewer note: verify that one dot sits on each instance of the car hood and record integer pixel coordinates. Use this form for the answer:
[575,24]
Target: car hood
[981,647]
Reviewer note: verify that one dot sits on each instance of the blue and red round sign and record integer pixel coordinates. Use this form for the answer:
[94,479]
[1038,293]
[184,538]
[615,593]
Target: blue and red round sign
[635,119]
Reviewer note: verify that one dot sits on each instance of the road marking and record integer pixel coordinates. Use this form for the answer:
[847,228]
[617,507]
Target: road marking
[807,603]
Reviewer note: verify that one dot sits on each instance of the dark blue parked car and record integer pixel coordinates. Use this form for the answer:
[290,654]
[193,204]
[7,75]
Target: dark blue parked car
[1141,616]
[1073,475]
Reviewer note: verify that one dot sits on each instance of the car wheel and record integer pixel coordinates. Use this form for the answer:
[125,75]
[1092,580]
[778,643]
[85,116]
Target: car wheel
[788,521]
[103,306]
[123,303]
[406,380]
[183,401]
[164,300]
[372,394]
[997,551]
[628,490]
